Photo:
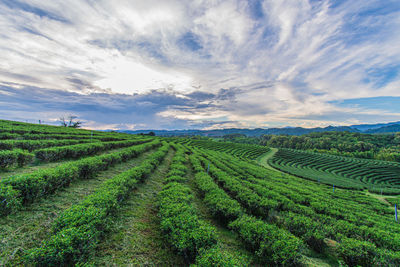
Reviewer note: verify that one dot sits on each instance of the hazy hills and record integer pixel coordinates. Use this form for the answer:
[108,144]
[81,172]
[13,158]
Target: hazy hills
[362,128]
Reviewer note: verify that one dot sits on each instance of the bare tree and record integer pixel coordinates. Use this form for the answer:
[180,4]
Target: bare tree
[70,121]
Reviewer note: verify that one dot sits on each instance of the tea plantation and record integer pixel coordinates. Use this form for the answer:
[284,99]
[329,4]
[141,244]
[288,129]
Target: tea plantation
[79,197]
[346,172]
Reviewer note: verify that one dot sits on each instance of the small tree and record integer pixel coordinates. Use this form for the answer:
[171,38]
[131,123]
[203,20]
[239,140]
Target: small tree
[70,122]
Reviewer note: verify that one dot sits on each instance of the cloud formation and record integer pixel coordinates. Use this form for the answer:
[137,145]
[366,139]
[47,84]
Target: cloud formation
[179,64]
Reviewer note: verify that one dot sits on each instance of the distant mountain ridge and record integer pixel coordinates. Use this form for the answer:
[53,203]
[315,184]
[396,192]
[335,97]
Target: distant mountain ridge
[368,127]
[394,128]
[362,128]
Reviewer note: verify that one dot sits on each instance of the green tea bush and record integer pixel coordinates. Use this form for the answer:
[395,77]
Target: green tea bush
[18,157]
[76,151]
[357,253]
[77,231]
[270,243]
[46,181]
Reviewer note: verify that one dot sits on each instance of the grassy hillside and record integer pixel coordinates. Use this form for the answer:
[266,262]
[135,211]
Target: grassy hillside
[75,197]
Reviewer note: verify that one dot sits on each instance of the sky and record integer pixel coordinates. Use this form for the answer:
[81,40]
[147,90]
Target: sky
[200,64]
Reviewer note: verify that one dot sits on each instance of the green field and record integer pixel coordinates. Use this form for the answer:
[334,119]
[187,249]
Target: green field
[346,172]
[80,197]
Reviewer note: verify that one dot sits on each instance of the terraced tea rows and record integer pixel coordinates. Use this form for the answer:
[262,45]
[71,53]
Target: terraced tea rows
[345,172]
[308,211]
[243,151]
[139,200]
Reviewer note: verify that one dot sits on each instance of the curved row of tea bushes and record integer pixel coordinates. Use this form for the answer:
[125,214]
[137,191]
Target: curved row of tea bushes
[31,145]
[341,171]
[76,151]
[192,237]
[9,158]
[244,151]
[313,213]
[78,230]
[19,190]
[271,244]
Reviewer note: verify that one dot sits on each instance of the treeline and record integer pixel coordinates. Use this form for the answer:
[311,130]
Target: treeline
[371,146]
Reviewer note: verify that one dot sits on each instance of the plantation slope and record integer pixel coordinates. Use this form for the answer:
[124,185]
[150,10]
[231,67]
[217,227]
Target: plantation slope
[29,226]
[136,238]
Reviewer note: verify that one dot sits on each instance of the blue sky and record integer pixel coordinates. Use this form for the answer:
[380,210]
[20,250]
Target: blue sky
[200,64]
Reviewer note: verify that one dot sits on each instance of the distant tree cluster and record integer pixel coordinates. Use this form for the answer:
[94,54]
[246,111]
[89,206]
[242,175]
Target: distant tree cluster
[149,133]
[372,146]
[240,138]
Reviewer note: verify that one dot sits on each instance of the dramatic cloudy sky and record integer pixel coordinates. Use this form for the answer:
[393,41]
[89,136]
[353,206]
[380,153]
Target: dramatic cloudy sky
[200,64]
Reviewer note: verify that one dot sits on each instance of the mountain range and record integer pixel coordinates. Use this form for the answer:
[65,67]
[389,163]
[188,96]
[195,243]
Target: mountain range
[391,127]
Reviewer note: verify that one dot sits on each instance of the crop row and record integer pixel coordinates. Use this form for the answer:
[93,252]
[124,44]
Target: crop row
[77,151]
[21,127]
[31,145]
[104,138]
[342,171]
[25,188]
[311,214]
[271,244]
[18,157]
[78,230]
[244,151]
[192,237]
[357,203]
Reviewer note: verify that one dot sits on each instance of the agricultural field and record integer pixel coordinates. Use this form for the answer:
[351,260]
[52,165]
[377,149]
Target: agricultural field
[80,197]
[374,175]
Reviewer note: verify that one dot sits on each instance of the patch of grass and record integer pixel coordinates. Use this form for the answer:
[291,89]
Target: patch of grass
[29,226]
[389,200]
[327,258]
[263,159]
[136,238]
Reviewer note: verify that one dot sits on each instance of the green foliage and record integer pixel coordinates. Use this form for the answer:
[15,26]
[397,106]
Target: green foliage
[357,253]
[271,244]
[340,171]
[219,203]
[192,237]
[371,146]
[274,214]
[31,145]
[18,157]
[9,200]
[46,181]
[186,232]
[78,230]
[216,257]
[77,151]
[307,210]
[179,221]
[244,151]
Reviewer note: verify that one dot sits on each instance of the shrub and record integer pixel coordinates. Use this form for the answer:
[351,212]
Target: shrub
[357,253]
